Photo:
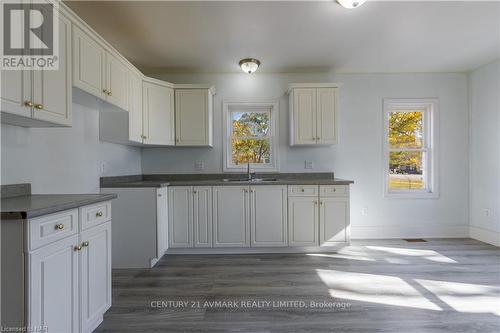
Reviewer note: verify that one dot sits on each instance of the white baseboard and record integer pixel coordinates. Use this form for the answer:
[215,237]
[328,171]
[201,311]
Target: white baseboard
[484,235]
[409,231]
[250,250]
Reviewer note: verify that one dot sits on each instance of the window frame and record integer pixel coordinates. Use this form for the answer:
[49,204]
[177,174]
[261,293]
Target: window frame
[429,108]
[265,106]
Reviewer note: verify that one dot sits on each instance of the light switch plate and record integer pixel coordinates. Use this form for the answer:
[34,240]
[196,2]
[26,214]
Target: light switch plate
[308,164]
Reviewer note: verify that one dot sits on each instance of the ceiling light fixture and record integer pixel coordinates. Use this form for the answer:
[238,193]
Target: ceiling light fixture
[351,3]
[249,65]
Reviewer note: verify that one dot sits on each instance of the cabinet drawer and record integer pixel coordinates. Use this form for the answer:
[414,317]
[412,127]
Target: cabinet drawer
[303,190]
[96,214]
[333,190]
[50,228]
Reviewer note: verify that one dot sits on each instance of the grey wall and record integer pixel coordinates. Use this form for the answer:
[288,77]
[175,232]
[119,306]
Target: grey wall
[484,90]
[65,160]
[358,155]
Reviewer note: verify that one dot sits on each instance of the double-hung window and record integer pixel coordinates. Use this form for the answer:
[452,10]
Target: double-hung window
[410,143]
[250,136]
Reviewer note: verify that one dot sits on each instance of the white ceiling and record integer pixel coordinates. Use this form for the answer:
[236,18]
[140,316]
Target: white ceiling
[165,36]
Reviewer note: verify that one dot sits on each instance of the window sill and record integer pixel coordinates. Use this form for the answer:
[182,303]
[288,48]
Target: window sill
[411,195]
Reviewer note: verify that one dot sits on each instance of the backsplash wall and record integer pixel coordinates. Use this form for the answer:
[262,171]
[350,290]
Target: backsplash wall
[65,160]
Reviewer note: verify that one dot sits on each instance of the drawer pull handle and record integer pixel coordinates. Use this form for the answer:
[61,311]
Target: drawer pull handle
[59,226]
[334,189]
[98,214]
[77,248]
[301,190]
[85,244]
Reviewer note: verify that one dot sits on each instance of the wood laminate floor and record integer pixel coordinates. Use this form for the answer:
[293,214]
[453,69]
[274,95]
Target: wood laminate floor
[445,285]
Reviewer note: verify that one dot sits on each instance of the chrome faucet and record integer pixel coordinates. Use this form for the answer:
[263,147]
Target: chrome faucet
[250,175]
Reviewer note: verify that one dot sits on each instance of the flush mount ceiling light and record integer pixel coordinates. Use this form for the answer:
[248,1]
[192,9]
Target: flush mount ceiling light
[249,65]
[351,3]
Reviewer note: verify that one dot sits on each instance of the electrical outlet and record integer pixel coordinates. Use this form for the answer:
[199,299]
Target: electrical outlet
[308,164]
[104,168]
[364,211]
[487,212]
[199,165]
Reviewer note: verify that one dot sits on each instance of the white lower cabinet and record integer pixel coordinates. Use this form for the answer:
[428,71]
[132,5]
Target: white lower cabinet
[242,216]
[60,278]
[202,216]
[53,287]
[303,221]
[333,217]
[231,216]
[268,215]
[180,216]
[95,272]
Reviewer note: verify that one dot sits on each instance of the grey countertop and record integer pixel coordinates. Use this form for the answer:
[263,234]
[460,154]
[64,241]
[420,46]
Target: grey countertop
[192,181]
[32,205]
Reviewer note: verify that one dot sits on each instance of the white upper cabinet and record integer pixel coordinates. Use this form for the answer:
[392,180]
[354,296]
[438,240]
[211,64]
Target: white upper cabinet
[40,98]
[193,116]
[135,108]
[52,95]
[158,113]
[304,115]
[99,72]
[89,59]
[117,85]
[313,110]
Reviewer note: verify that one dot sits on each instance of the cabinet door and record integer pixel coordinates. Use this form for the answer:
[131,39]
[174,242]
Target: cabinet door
[268,215]
[231,216]
[326,120]
[16,85]
[158,112]
[95,272]
[304,115]
[88,63]
[53,286]
[193,117]
[135,108]
[52,93]
[180,216]
[303,221]
[16,90]
[161,222]
[202,216]
[117,82]
[333,217]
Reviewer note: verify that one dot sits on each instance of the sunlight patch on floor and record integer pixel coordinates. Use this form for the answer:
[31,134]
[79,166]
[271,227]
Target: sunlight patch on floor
[465,297]
[340,256]
[381,289]
[425,254]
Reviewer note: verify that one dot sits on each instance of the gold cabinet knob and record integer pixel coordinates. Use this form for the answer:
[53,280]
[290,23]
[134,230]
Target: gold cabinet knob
[315,202]
[28,104]
[59,226]
[109,93]
[105,91]
[301,190]
[39,106]
[195,191]
[98,214]
[77,248]
[85,244]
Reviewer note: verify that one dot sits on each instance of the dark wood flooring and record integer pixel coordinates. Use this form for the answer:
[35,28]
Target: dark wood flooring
[446,285]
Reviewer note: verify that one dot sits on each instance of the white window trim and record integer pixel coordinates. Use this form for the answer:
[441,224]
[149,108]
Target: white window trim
[431,118]
[228,106]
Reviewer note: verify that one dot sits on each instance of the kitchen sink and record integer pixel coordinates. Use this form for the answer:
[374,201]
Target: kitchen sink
[253,180]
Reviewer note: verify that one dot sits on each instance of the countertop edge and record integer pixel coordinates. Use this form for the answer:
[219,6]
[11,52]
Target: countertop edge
[149,184]
[32,213]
